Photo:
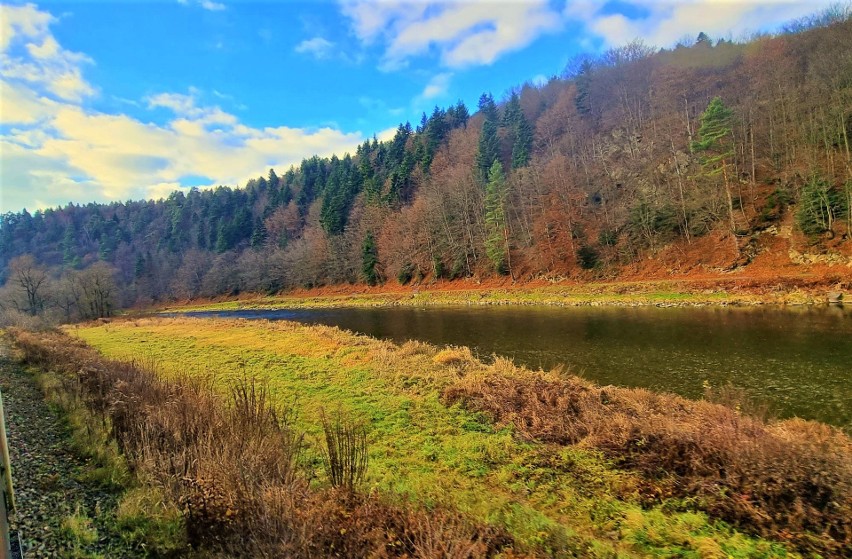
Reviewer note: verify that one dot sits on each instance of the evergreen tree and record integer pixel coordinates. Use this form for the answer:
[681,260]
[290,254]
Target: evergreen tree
[69,245]
[369,260]
[258,235]
[462,115]
[583,81]
[512,112]
[496,238]
[223,241]
[716,147]
[488,107]
[488,149]
[522,146]
[819,207]
[272,181]
[520,132]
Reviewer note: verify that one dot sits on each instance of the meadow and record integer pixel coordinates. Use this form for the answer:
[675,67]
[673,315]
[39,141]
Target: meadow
[539,463]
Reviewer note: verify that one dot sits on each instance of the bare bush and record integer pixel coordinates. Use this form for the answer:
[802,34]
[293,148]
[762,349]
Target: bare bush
[345,454]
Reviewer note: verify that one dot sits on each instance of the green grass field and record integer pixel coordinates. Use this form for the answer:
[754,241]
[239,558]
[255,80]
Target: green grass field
[555,499]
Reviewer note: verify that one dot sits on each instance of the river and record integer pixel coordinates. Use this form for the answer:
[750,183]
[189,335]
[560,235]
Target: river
[796,359]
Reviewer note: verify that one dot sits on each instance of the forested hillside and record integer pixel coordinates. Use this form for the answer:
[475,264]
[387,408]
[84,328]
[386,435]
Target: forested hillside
[717,151]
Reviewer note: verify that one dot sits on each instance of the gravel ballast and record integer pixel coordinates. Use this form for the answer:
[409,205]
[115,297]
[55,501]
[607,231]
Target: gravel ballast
[46,475]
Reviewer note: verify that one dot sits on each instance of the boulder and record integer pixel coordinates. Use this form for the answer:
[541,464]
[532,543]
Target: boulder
[835,297]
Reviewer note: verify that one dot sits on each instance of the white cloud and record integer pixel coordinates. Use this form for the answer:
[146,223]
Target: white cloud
[666,22]
[25,21]
[54,150]
[463,33]
[30,54]
[539,80]
[206,4]
[213,6]
[437,86]
[317,47]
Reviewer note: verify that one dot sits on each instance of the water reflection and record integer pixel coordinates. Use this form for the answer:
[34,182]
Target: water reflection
[800,359]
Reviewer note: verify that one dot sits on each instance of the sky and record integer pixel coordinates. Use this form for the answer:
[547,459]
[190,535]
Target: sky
[124,100]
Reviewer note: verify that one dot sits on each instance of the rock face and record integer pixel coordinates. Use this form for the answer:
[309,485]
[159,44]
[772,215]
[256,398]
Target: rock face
[835,297]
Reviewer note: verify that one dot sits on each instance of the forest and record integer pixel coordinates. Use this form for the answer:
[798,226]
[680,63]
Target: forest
[708,144]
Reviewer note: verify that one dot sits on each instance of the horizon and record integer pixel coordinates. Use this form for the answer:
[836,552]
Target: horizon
[112,102]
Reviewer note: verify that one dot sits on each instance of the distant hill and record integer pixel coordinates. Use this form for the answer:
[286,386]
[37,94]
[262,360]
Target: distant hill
[715,155]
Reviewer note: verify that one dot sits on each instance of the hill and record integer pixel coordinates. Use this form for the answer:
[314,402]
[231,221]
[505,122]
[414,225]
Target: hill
[703,159]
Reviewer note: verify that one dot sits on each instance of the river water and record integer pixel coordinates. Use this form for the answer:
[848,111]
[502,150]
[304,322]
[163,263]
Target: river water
[798,359]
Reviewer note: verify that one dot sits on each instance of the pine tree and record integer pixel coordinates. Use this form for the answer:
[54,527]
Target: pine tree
[462,114]
[272,181]
[512,111]
[488,107]
[716,147]
[520,132]
[496,238]
[820,206]
[488,150]
[583,81]
[258,235]
[522,146]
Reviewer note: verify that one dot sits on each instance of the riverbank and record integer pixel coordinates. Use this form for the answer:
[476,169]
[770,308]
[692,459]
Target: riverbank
[560,465]
[716,290]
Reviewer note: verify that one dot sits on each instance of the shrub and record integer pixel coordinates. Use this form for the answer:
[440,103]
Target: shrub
[608,237]
[345,451]
[820,205]
[789,479]
[406,273]
[588,257]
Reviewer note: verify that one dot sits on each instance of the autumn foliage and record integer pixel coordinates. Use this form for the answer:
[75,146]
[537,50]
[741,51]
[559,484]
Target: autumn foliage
[624,155]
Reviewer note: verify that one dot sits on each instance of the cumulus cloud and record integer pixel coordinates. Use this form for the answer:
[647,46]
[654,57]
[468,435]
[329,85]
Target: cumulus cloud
[31,55]
[463,33]
[317,47]
[663,23]
[54,150]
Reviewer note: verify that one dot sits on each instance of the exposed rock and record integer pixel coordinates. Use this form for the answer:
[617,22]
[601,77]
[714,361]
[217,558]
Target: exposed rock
[830,258]
[835,297]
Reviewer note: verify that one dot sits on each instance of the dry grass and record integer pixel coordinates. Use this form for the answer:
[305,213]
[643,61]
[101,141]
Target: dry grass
[458,357]
[789,480]
[233,466]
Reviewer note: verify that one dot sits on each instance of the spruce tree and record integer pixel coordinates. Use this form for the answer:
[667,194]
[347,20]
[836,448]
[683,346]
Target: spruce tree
[487,107]
[583,82]
[488,150]
[496,239]
[462,114]
[522,146]
[258,235]
[512,112]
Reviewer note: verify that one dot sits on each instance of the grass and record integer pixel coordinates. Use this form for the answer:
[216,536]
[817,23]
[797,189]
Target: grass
[719,291]
[616,294]
[79,532]
[551,498]
[141,517]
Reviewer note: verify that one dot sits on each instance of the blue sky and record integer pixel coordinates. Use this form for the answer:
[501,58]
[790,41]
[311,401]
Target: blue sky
[105,101]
